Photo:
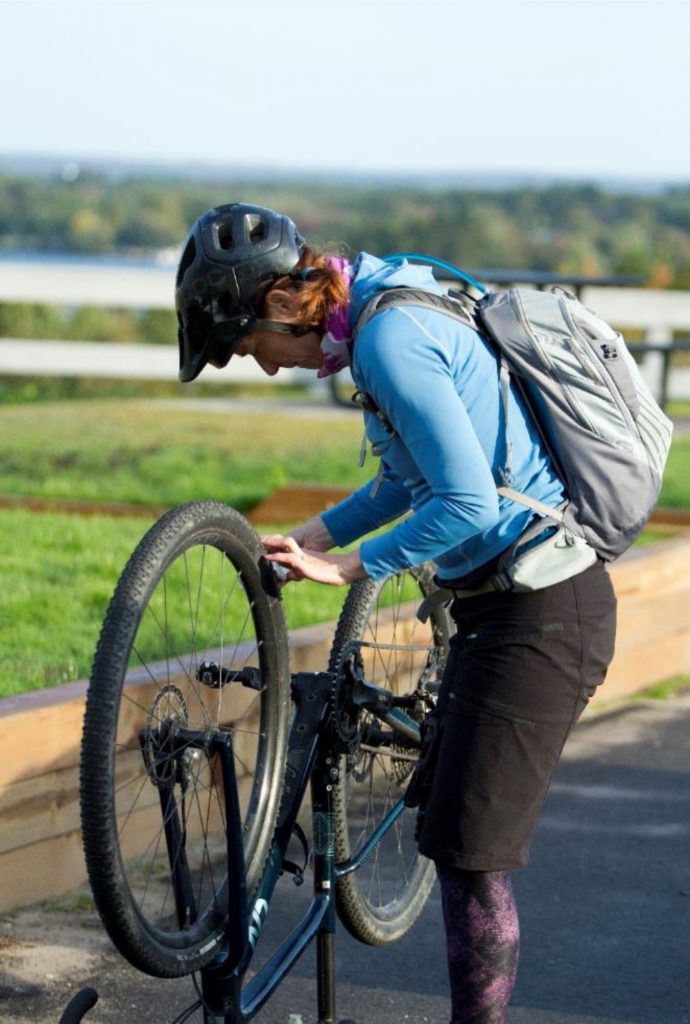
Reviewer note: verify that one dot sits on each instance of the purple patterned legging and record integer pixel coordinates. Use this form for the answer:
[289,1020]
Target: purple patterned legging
[483,938]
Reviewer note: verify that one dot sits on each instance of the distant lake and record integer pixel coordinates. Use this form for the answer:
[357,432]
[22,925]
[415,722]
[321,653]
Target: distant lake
[115,280]
[166,258]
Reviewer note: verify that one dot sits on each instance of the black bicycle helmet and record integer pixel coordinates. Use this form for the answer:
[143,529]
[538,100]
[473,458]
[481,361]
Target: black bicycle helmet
[231,251]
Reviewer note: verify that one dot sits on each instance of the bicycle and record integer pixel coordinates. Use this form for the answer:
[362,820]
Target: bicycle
[199,748]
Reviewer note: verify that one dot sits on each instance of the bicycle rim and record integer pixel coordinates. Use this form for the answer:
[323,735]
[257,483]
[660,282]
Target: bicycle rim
[197,590]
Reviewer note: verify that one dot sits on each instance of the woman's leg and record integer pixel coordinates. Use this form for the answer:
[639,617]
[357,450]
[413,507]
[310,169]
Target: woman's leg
[482,940]
[521,669]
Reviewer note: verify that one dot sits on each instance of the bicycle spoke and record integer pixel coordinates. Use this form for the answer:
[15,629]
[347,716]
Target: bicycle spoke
[379,901]
[122,827]
[205,856]
[186,672]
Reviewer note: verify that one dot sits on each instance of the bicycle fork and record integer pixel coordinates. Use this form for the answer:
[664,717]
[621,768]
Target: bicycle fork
[225,999]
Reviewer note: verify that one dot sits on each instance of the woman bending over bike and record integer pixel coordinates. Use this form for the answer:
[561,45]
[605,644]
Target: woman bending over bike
[523,664]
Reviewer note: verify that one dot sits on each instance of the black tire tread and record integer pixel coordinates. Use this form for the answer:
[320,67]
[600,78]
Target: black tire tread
[105,869]
[353,910]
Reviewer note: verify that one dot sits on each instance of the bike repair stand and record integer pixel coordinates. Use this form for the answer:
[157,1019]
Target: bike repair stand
[223,999]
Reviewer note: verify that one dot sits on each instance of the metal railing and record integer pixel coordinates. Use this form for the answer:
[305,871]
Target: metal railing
[542,279]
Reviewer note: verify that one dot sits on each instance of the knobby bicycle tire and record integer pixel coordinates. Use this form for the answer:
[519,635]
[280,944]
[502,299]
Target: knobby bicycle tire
[196,589]
[380,901]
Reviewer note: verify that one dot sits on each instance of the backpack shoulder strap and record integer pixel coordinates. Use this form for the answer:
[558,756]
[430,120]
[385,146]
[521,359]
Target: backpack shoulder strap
[463,308]
[457,305]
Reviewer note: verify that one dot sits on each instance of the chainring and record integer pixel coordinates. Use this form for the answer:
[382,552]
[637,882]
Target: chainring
[346,717]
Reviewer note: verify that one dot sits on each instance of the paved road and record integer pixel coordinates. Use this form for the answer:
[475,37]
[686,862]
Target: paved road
[605,908]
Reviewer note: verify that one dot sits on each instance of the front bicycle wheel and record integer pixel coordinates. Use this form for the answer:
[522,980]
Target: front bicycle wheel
[196,603]
[381,900]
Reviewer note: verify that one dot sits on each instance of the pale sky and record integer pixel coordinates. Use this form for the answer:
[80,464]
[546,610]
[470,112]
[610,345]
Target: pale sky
[560,86]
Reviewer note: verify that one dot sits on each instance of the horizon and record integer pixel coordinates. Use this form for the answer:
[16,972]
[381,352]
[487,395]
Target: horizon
[71,166]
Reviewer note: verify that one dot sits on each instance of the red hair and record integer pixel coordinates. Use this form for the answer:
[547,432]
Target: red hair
[322,289]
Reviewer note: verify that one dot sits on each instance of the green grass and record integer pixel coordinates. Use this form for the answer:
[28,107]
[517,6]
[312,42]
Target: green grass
[678,409]
[664,690]
[162,453]
[79,901]
[675,492]
[59,572]
[21,390]
[652,536]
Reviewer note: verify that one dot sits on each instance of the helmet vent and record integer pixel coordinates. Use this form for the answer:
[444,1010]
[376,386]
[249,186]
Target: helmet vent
[225,240]
[188,257]
[256,228]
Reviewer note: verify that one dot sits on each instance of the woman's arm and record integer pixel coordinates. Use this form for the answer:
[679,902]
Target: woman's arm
[302,550]
[380,501]
[409,361]
[358,514]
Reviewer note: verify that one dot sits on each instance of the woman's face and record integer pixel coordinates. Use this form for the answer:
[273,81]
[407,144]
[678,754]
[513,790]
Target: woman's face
[274,351]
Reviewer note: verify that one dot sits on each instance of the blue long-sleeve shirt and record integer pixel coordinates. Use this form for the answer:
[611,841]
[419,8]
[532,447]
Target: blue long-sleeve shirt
[437,382]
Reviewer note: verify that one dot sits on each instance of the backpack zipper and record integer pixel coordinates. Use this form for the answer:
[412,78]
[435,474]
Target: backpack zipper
[575,407]
[592,371]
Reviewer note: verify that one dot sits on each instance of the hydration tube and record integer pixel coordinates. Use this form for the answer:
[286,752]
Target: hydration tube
[441,264]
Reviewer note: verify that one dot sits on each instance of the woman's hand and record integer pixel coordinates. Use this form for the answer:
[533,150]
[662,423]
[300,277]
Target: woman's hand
[306,564]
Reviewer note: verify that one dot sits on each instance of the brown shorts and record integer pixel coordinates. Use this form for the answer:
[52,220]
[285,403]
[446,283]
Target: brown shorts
[522,667]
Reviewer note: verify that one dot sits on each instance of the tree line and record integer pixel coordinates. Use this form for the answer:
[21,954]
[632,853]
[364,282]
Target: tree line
[579,228]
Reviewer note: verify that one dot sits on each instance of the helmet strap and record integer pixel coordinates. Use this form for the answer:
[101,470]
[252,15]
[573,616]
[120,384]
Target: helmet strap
[278,327]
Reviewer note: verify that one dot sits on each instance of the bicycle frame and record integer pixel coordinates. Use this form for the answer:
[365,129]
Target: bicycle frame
[176,748]
[311,761]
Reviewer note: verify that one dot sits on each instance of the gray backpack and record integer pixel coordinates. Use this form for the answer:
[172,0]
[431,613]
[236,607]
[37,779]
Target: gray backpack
[606,435]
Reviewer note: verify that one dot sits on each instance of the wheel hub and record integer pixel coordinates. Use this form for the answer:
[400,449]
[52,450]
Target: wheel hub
[165,764]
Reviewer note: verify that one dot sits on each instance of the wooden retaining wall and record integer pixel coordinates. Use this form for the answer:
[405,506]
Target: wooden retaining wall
[40,846]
